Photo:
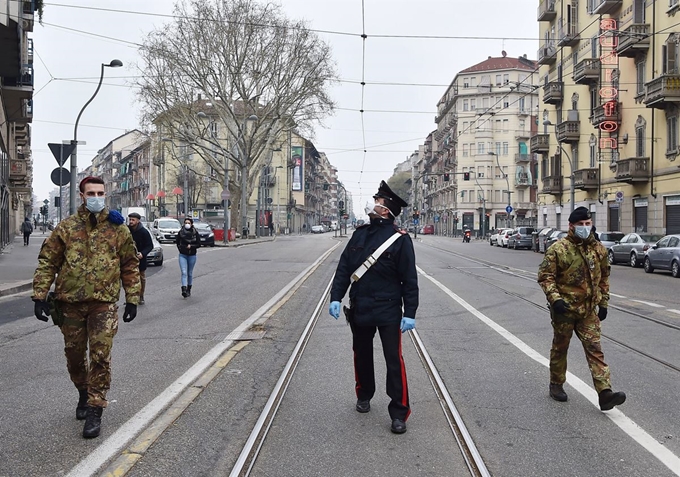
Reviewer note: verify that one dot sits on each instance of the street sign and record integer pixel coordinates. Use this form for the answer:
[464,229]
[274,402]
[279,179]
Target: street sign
[46,201]
[415,222]
[61,152]
[619,196]
[60,176]
[226,195]
[508,209]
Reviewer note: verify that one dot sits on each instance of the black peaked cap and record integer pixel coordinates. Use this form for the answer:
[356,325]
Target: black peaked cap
[385,192]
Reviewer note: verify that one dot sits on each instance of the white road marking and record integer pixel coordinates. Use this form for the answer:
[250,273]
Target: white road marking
[674,311]
[627,425]
[128,431]
[648,303]
[617,296]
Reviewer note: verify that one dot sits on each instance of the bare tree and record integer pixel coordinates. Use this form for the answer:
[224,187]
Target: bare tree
[240,64]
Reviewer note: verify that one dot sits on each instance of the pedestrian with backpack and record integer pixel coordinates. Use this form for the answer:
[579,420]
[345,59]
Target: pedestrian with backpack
[27,229]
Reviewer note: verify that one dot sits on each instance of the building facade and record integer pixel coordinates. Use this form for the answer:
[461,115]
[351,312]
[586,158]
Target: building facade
[16,114]
[609,133]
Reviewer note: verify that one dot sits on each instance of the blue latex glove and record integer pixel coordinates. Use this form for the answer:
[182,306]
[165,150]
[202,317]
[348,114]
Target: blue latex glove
[407,324]
[334,309]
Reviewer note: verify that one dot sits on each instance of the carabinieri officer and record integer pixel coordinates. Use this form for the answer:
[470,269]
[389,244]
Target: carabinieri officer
[383,298]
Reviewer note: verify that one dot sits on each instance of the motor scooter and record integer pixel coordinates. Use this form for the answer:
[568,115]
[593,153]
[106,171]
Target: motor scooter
[466,236]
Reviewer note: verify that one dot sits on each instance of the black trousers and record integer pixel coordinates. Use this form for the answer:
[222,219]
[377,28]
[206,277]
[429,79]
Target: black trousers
[397,387]
[26,236]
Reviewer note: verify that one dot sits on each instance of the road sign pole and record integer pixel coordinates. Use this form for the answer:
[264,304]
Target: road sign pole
[61,161]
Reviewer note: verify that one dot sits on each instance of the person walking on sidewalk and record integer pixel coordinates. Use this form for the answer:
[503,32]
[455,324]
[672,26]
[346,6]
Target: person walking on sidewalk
[90,253]
[188,241]
[574,276]
[144,244]
[27,229]
[383,284]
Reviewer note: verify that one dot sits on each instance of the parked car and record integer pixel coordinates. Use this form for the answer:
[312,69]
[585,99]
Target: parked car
[664,255]
[155,256]
[206,233]
[493,240]
[543,237]
[535,237]
[520,238]
[609,238]
[166,229]
[504,238]
[555,235]
[428,230]
[317,229]
[632,248]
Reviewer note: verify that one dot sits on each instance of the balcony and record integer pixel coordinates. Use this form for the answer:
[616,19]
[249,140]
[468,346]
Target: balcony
[521,158]
[552,185]
[547,55]
[522,135]
[585,179]
[601,7]
[524,206]
[17,170]
[633,169]
[610,111]
[568,35]
[587,71]
[539,143]
[634,40]
[522,180]
[553,92]
[568,131]
[662,91]
[546,11]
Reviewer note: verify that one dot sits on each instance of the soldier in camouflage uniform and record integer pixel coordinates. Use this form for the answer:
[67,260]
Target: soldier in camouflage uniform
[91,253]
[574,276]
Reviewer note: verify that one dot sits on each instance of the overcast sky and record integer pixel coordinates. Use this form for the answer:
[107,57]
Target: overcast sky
[77,36]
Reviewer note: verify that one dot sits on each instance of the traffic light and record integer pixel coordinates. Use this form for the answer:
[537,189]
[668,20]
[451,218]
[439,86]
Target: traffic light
[325,187]
[466,176]
[446,177]
[57,201]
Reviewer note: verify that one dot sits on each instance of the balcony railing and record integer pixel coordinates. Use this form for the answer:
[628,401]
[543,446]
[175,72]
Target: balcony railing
[586,179]
[520,158]
[662,90]
[547,54]
[601,7]
[610,111]
[539,143]
[553,92]
[17,170]
[524,205]
[633,40]
[568,34]
[552,185]
[569,131]
[546,11]
[587,71]
[633,169]
[522,180]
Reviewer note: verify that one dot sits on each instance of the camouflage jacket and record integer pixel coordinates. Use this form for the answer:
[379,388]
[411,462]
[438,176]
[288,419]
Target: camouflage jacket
[577,272]
[90,262]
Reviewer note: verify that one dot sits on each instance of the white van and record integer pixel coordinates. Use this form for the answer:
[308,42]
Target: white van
[166,229]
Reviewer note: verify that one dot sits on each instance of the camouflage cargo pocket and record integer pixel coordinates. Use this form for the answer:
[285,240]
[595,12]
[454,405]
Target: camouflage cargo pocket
[55,310]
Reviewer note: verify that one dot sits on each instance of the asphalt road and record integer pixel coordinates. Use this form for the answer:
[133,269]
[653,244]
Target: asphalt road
[481,317]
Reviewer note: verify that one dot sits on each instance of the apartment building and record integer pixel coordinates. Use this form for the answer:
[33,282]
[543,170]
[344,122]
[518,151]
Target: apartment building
[476,169]
[610,97]
[16,114]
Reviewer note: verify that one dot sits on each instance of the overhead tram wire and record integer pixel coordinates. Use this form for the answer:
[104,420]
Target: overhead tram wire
[363,86]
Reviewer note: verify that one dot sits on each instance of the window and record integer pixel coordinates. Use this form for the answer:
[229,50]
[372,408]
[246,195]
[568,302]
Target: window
[472,149]
[522,125]
[466,106]
[498,125]
[213,128]
[669,53]
[465,150]
[466,83]
[466,126]
[498,80]
[498,148]
[485,103]
[506,103]
[497,196]
[593,154]
[672,134]
[480,148]
[462,196]
[473,82]
[473,104]
[506,125]
[640,75]
[506,79]
[506,146]
[640,141]
[521,105]
[574,156]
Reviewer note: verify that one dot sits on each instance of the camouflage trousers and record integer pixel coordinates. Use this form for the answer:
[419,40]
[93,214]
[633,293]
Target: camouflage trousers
[94,323]
[588,331]
[142,279]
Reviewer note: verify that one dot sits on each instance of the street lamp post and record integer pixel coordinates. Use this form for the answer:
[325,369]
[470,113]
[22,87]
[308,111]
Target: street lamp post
[546,122]
[507,182]
[74,154]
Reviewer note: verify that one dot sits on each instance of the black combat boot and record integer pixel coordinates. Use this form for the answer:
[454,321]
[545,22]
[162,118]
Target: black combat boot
[609,399]
[93,422]
[188,290]
[184,292]
[557,392]
[81,408]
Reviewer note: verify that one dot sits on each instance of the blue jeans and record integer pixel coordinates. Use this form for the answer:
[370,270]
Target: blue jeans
[186,265]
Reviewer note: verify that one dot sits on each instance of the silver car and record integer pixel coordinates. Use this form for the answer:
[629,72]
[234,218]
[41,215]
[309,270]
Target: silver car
[632,248]
[665,255]
[609,238]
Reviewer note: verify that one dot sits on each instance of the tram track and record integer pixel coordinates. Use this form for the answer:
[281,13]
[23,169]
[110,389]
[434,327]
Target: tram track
[543,306]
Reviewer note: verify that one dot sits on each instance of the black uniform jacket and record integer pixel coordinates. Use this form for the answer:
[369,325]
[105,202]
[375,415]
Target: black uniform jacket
[143,242]
[390,284]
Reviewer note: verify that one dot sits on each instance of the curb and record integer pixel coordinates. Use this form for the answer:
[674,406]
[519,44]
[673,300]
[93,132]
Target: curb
[13,290]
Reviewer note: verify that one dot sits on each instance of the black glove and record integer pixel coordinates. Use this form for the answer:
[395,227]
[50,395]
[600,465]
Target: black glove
[130,312]
[560,307]
[602,313]
[41,310]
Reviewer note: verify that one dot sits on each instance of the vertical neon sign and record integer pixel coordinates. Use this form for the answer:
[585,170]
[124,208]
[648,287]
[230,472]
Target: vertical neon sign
[609,93]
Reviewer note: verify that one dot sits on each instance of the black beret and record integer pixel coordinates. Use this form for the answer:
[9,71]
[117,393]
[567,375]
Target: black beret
[579,214]
[135,215]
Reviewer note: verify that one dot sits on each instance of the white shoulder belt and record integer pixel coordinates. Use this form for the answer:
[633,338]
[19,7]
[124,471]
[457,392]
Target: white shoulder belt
[363,268]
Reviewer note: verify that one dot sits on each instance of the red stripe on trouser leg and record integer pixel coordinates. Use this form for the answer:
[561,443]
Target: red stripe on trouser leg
[404,382]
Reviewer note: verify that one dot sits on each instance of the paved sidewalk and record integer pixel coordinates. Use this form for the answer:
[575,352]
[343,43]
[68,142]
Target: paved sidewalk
[17,264]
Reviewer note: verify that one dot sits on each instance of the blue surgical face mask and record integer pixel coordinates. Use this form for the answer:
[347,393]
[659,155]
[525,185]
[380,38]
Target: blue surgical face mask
[95,204]
[582,231]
